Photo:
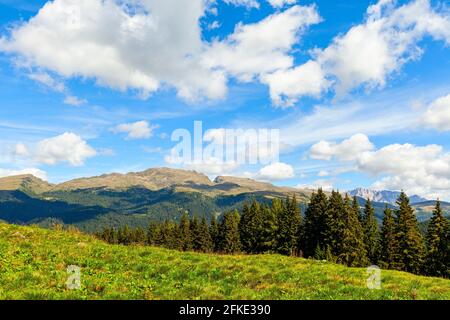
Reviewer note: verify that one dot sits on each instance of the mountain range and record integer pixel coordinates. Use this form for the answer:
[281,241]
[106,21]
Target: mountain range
[137,198]
[385,196]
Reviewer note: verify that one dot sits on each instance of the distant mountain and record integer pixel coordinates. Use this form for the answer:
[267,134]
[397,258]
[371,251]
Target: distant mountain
[134,198]
[385,196]
[157,194]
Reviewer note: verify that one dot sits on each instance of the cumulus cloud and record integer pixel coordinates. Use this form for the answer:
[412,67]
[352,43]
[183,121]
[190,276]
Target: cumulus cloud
[347,150]
[67,147]
[275,171]
[146,45]
[326,185]
[135,130]
[437,114]
[286,86]
[281,3]
[423,170]
[138,45]
[33,171]
[261,47]
[366,55]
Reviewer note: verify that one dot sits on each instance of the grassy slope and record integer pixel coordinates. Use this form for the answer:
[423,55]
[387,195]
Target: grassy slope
[33,265]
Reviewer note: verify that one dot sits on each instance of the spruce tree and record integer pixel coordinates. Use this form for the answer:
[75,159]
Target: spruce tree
[203,240]
[269,230]
[214,232]
[352,252]
[195,233]
[185,233]
[152,234]
[437,262]
[334,225]
[229,233]
[388,241]
[313,226]
[139,236]
[371,233]
[356,208]
[289,223]
[250,227]
[410,249]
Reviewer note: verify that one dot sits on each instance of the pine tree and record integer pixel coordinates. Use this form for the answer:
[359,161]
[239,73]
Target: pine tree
[353,252]
[437,261]
[185,233]
[371,234]
[269,230]
[313,227]
[195,233]
[388,240]
[334,225]
[250,227]
[152,234]
[139,236]
[229,233]
[288,227]
[203,239]
[169,235]
[124,235]
[214,232]
[355,206]
[410,249]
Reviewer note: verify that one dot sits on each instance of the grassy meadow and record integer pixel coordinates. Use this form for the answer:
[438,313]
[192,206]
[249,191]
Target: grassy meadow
[34,261]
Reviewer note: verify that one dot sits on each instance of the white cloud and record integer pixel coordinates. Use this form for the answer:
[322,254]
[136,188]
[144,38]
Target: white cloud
[367,55]
[74,101]
[287,86]
[21,150]
[422,170]
[275,171]
[347,150]
[34,171]
[370,52]
[139,45]
[281,3]
[438,114]
[146,45]
[50,82]
[261,47]
[136,130]
[214,167]
[326,185]
[323,173]
[245,3]
[45,79]
[67,147]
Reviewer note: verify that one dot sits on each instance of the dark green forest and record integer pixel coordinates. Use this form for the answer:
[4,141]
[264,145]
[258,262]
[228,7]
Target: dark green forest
[333,228]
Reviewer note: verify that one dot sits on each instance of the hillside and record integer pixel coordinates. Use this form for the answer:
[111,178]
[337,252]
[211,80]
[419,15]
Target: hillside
[135,198]
[33,264]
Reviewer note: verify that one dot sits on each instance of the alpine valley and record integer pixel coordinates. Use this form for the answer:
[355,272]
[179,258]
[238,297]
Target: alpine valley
[157,194]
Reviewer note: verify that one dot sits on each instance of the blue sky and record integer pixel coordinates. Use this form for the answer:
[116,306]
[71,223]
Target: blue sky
[360,90]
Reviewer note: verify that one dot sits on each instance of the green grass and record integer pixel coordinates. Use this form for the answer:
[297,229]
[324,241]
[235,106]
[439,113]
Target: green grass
[33,264]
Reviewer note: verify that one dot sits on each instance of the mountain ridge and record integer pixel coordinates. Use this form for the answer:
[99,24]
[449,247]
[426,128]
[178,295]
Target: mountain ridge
[386,196]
